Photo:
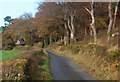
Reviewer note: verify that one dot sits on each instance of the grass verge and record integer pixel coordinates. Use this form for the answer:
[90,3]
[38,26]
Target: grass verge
[37,67]
[98,63]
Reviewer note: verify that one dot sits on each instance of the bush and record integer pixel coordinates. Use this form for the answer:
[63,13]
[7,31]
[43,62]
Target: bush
[39,44]
[62,48]
[29,41]
[39,53]
[75,49]
[36,67]
[100,23]
[8,47]
[59,43]
[94,49]
[114,54]
[8,43]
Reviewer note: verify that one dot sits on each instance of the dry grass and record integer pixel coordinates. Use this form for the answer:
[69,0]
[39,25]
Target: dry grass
[37,67]
[95,65]
[93,60]
[14,68]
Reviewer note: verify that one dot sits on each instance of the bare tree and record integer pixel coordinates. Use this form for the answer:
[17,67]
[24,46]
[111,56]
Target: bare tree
[66,35]
[115,14]
[70,11]
[110,20]
[72,25]
[92,25]
[26,16]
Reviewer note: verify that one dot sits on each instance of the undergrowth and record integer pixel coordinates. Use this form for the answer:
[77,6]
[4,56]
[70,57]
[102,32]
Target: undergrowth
[93,58]
[37,67]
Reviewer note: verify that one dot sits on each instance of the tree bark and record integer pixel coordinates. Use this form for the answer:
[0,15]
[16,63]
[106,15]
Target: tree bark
[110,20]
[72,27]
[92,25]
[66,36]
[114,19]
[50,40]
[85,31]
[69,17]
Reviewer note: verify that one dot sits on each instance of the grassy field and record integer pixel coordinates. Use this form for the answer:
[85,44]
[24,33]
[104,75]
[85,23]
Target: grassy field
[9,54]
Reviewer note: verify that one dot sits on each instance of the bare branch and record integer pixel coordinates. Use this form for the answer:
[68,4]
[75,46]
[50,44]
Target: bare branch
[69,25]
[87,9]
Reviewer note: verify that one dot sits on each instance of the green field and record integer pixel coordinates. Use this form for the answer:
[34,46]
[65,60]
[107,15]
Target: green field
[8,54]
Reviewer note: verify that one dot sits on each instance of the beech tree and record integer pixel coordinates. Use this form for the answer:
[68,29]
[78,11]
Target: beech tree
[49,21]
[92,24]
[115,14]
[112,18]
[70,19]
[66,19]
[71,13]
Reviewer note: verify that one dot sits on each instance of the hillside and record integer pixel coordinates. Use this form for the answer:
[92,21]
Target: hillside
[99,59]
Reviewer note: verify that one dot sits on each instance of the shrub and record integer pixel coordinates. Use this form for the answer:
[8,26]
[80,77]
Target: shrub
[94,49]
[75,49]
[114,54]
[8,47]
[60,43]
[8,43]
[29,41]
[100,22]
[36,67]
[39,44]
[62,48]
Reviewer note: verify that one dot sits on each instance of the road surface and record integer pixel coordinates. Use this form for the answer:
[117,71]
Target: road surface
[63,68]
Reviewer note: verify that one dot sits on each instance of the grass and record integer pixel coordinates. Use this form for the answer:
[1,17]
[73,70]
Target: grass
[37,67]
[9,54]
[32,65]
[98,63]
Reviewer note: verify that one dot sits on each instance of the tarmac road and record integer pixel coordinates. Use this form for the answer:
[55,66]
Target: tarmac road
[63,68]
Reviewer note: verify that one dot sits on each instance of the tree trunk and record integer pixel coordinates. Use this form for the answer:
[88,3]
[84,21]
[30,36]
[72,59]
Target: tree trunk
[93,23]
[85,31]
[115,14]
[91,30]
[110,20]
[93,27]
[50,40]
[61,39]
[66,36]
[69,29]
[72,28]
[72,35]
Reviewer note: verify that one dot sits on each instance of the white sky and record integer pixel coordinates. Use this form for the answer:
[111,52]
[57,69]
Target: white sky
[21,1]
[15,8]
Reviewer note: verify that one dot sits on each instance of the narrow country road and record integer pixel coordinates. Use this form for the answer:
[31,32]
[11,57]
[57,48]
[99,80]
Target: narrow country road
[64,69]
